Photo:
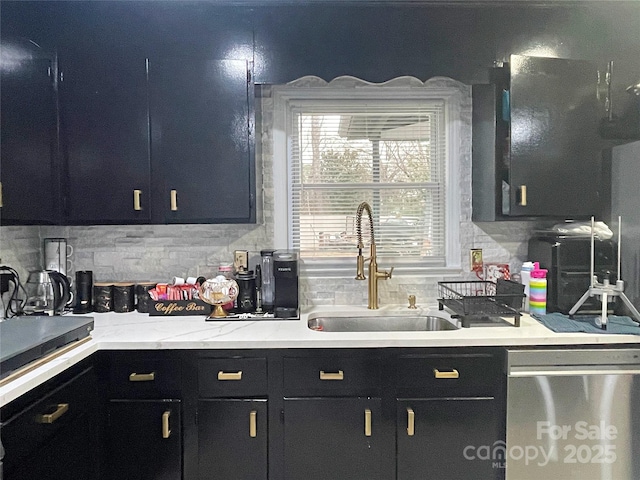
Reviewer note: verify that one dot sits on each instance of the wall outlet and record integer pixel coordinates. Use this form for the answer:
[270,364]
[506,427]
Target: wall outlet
[240,260]
[477,264]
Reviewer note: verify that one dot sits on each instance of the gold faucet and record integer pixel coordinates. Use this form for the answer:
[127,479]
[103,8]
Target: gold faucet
[374,273]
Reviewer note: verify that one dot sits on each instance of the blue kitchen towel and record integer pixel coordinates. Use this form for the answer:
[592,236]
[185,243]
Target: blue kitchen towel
[561,323]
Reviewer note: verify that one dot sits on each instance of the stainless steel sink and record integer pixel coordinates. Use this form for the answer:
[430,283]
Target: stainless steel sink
[380,324]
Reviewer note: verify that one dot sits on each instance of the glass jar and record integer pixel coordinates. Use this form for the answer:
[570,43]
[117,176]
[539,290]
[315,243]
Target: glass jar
[226,270]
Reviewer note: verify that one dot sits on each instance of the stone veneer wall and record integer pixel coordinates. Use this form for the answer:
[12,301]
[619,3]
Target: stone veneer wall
[159,252]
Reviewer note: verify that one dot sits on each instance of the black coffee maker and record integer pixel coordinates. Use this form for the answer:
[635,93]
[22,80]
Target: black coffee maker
[285,274]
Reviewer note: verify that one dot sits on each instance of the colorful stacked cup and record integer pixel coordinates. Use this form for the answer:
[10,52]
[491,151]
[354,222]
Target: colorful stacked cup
[538,290]
[525,279]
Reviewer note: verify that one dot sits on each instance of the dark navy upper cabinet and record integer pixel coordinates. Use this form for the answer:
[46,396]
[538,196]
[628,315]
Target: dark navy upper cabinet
[536,149]
[144,128]
[29,145]
[176,146]
[105,139]
[157,140]
[202,128]
[555,160]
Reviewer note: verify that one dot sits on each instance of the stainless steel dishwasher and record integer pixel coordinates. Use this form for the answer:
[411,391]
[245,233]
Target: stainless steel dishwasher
[573,414]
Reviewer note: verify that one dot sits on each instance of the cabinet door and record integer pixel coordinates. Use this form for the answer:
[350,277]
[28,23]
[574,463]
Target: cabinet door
[106,139]
[144,440]
[232,439]
[54,436]
[68,457]
[449,439]
[333,438]
[555,156]
[202,131]
[28,147]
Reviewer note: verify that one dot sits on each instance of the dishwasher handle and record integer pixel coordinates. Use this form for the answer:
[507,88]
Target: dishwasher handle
[571,371]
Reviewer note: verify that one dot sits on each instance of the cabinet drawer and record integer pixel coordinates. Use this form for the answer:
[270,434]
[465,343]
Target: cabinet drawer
[144,377]
[448,375]
[232,377]
[31,428]
[331,376]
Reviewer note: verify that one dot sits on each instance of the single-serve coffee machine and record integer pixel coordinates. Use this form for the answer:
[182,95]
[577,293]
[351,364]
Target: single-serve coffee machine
[285,274]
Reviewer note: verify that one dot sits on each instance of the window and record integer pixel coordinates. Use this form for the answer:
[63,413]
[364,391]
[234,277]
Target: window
[391,146]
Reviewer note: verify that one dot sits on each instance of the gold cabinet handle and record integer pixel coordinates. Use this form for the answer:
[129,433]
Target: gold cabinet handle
[411,422]
[523,196]
[136,200]
[230,375]
[174,200]
[367,422]
[451,374]
[1,202]
[166,432]
[49,418]
[339,375]
[253,427]
[142,377]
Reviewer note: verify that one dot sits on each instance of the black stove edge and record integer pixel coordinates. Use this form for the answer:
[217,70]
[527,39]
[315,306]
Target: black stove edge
[9,365]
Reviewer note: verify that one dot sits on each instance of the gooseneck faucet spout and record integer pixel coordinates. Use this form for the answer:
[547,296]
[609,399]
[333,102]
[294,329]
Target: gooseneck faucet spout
[374,273]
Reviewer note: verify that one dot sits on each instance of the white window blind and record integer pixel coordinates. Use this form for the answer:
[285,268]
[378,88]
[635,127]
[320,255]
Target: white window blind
[390,153]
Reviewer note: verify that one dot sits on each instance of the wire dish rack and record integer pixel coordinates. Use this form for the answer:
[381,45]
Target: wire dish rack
[475,300]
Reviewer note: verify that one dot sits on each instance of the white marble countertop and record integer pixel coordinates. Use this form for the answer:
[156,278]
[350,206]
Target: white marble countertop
[135,331]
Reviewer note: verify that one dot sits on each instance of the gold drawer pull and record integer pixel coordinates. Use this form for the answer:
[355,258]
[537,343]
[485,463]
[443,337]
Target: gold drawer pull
[253,428]
[49,418]
[452,374]
[142,377]
[523,196]
[166,432]
[229,375]
[136,200]
[367,422]
[174,200]
[339,375]
[411,422]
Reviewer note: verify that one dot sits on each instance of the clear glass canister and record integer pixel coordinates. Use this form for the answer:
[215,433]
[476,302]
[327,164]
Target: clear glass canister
[226,270]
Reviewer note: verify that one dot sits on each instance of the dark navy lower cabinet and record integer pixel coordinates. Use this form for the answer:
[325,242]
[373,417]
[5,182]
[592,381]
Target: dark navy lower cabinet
[305,414]
[337,438]
[449,439]
[143,398]
[232,417]
[50,433]
[144,439]
[232,439]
